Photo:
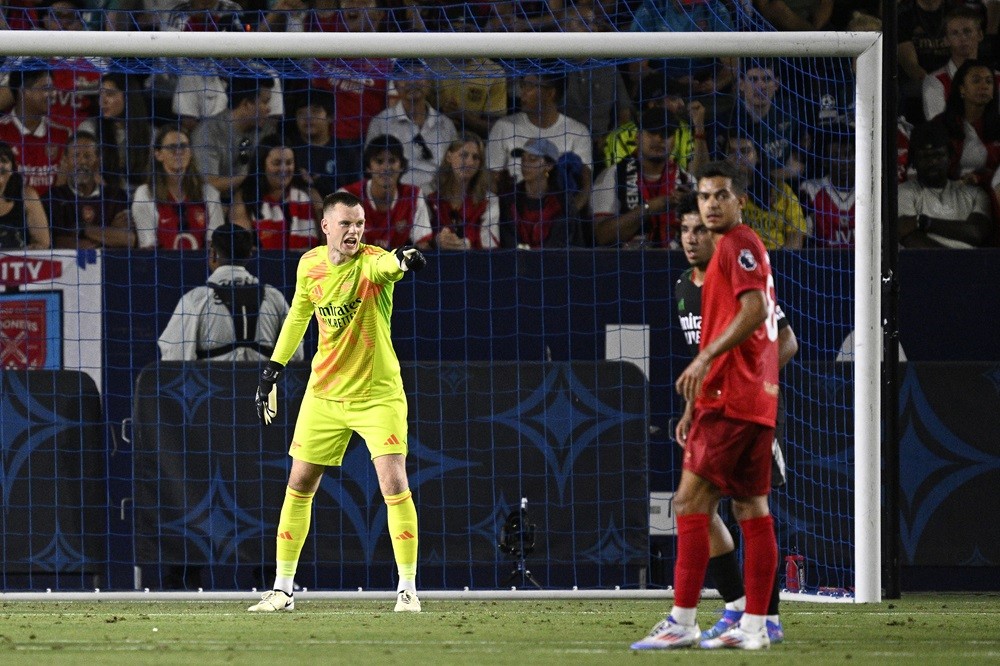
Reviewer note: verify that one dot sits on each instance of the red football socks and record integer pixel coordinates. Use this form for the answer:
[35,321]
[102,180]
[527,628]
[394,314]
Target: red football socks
[759,562]
[692,559]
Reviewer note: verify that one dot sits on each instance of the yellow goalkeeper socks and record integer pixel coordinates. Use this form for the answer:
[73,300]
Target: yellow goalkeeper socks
[402,518]
[293,527]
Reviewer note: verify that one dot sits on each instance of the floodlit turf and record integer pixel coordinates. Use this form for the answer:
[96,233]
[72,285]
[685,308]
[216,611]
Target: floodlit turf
[919,629]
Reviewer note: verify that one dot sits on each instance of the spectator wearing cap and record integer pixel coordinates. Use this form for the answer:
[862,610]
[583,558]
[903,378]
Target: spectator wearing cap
[233,317]
[396,214]
[632,200]
[534,216]
[224,145]
[935,210]
[424,132]
[540,118]
[690,141]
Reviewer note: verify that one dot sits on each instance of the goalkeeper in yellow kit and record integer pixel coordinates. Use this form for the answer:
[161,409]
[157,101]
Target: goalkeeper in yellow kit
[355,386]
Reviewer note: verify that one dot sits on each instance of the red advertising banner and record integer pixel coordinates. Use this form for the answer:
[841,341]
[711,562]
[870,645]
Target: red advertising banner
[24,332]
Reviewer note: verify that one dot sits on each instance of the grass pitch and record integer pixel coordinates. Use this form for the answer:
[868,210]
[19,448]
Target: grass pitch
[919,629]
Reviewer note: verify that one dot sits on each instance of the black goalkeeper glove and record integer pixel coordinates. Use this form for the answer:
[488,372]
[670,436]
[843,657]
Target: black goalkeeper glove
[410,258]
[267,392]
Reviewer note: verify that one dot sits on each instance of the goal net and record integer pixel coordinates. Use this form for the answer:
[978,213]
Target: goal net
[539,351]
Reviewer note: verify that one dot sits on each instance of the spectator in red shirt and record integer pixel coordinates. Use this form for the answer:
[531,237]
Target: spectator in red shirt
[276,202]
[23,14]
[76,81]
[37,141]
[632,200]
[534,215]
[963,33]
[359,86]
[828,201]
[972,123]
[395,214]
[465,213]
[176,209]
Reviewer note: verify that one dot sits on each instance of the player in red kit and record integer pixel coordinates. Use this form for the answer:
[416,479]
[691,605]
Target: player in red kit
[733,382]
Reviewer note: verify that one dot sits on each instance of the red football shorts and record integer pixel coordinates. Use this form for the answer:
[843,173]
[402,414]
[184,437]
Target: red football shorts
[732,454]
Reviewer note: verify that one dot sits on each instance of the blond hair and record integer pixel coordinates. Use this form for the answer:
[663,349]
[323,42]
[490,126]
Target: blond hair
[446,182]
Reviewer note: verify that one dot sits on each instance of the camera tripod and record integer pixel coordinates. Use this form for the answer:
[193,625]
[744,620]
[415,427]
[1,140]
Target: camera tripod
[521,571]
[517,539]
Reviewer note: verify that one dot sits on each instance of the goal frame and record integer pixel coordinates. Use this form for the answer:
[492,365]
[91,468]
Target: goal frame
[866,47]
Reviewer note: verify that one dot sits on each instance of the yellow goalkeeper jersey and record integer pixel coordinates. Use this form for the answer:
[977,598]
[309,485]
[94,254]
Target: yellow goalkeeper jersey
[353,307]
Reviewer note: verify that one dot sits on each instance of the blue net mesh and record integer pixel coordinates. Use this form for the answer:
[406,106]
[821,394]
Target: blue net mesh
[542,368]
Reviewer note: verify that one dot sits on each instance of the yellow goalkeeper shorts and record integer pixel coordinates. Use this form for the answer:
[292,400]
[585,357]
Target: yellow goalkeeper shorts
[324,427]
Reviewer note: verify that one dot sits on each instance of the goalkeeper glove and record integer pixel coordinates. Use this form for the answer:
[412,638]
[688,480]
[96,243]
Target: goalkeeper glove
[410,258]
[267,392]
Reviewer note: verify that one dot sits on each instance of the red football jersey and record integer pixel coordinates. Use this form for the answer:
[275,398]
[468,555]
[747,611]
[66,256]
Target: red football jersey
[742,382]
[832,211]
[181,226]
[391,228]
[76,84]
[38,153]
[359,89]
[466,222]
[287,223]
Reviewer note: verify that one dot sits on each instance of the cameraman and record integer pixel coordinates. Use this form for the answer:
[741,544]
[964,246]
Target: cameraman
[234,317]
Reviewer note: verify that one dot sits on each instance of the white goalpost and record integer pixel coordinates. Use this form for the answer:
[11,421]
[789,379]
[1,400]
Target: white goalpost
[866,47]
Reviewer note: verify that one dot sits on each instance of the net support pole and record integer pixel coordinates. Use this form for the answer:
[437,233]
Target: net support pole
[867,328]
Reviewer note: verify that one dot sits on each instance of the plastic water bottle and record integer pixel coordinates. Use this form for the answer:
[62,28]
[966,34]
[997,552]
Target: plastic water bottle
[795,572]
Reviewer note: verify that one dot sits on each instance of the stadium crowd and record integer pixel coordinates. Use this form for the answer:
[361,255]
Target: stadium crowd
[477,154]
